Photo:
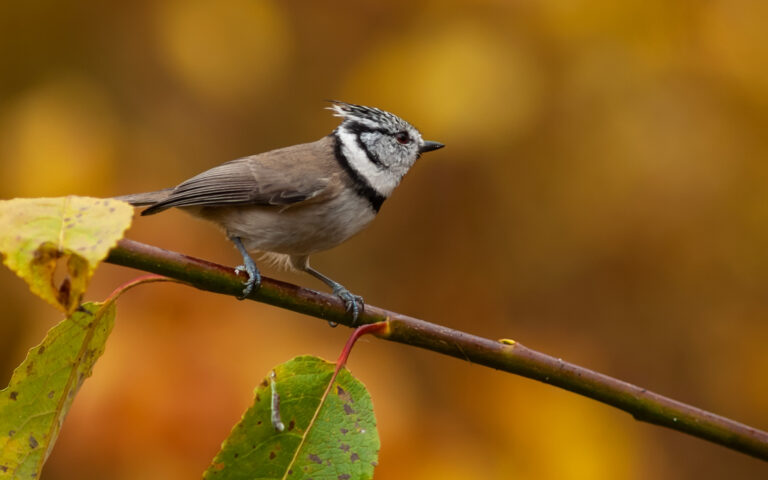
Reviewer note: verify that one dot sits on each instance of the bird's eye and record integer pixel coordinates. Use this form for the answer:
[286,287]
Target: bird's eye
[402,137]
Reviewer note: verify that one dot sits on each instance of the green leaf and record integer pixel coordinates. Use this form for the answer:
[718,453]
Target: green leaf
[33,406]
[330,433]
[38,234]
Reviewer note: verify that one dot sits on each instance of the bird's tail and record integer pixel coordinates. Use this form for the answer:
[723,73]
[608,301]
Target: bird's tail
[148,198]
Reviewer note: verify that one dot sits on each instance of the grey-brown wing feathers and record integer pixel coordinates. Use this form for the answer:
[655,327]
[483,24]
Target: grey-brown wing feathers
[277,178]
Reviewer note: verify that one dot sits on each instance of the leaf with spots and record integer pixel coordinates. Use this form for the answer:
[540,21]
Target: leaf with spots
[41,390]
[72,234]
[329,428]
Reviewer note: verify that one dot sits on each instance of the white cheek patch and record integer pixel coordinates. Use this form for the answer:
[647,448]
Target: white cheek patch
[382,180]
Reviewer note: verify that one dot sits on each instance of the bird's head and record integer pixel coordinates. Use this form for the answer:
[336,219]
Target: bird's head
[388,141]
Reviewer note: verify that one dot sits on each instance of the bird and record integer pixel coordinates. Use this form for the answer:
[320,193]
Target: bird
[289,203]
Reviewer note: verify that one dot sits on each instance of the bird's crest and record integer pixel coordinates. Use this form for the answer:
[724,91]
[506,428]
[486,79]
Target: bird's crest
[371,117]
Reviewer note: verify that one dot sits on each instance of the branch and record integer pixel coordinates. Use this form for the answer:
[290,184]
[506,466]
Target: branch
[509,356]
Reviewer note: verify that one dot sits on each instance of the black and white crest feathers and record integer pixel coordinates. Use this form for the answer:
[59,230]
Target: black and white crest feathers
[370,118]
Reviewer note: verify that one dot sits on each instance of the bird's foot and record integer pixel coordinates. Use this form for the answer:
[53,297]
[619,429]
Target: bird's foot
[353,303]
[254,278]
[248,266]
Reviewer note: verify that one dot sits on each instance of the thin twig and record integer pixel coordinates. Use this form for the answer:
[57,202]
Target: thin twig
[509,356]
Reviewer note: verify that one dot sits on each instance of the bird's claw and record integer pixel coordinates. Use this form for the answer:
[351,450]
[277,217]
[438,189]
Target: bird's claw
[254,280]
[353,303]
[248,266]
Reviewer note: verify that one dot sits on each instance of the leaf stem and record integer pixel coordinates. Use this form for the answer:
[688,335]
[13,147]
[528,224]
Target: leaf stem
[370,328]
[151,278]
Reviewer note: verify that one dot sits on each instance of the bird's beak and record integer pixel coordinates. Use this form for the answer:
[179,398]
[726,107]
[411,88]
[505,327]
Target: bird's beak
[428,146]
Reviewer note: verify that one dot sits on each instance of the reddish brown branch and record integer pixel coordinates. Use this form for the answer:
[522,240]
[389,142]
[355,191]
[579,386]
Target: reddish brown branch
[511,357]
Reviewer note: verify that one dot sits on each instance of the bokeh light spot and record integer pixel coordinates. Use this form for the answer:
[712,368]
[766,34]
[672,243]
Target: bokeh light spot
[224,51]
[463,80]
[58,139]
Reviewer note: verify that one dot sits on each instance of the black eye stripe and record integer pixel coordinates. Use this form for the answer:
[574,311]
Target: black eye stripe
[358,128]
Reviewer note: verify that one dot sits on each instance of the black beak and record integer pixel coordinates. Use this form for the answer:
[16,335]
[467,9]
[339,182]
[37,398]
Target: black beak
[429,146]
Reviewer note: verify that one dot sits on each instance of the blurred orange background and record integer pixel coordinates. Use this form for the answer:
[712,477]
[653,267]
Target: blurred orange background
[602,198]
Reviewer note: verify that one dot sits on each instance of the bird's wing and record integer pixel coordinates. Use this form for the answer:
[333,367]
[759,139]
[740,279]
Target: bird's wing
[278,178]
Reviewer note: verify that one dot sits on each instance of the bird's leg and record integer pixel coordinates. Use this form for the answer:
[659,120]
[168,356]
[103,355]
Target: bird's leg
[248,266]
[353,303]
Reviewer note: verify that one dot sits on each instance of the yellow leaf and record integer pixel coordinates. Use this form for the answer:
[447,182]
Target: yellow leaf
[40,236]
